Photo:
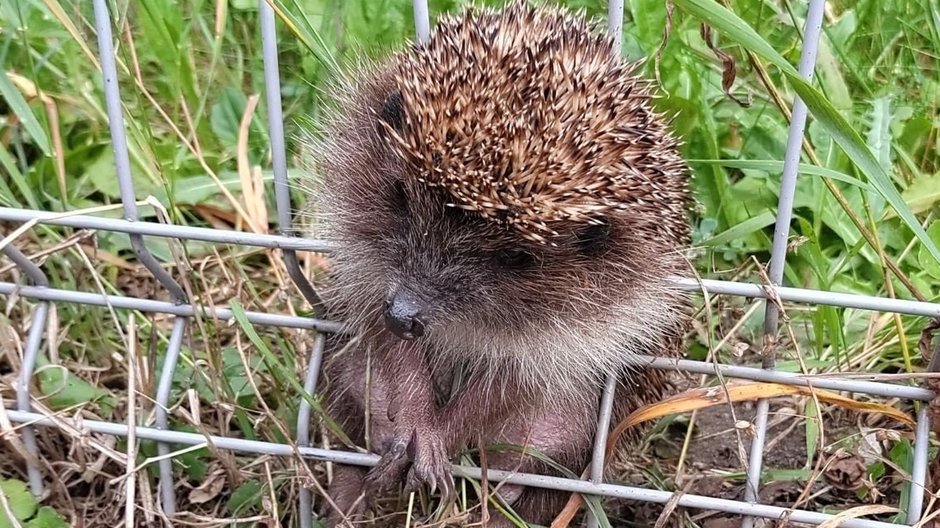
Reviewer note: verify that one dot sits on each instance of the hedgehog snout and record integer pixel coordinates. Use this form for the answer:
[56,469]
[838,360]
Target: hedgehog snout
[405,314]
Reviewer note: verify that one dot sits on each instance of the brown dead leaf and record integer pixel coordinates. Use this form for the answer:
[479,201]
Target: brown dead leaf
[210,487]
[728,69]
[847,473]
[705,397]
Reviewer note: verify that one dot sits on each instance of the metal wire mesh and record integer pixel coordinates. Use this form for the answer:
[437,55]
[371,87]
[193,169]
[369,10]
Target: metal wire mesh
[183,309]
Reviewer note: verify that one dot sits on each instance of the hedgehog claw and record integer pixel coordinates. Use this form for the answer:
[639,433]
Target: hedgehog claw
[430,462]
[388,473]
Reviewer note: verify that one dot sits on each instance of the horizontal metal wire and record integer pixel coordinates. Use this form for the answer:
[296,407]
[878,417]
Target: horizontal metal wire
[525,479]
[149,305]
[288,321]
[716,287]
[828,382]
[202,234]
[136,230]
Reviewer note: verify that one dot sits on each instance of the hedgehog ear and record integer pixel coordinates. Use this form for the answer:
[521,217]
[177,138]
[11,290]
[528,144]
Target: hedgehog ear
[593,239]
[393,111]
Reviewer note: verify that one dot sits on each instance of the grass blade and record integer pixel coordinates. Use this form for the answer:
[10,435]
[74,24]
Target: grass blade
[755,223]
[841,131]
[777,166]
[286,375]
[22,110]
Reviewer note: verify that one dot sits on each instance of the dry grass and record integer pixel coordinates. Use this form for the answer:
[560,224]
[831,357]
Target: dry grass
[190,74]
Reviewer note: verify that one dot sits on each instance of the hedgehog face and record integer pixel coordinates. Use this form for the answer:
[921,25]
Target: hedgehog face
[412,261]
[504,190]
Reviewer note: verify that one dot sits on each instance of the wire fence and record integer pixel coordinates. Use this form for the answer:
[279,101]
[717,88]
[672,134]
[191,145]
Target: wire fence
[183,310]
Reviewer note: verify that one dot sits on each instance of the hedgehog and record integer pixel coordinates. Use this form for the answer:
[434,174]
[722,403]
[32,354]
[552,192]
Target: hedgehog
[508,208]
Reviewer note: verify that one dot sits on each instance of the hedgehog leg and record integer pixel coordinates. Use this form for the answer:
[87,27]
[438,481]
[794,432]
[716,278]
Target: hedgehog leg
[403,428]
[554,434]
[346,493]
[345,404]
[533,505]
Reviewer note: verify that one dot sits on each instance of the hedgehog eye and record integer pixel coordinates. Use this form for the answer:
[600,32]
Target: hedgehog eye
[514,258]
[393,111]
[592,240]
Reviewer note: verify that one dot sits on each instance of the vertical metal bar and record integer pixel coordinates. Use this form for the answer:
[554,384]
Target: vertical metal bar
[272,91]
[119,146]
[128,199]
[778,253]
[30,353]
[919,471]
[422,20]
[615,22]
[600,438]
[167,492]
[615,29]
[303,424]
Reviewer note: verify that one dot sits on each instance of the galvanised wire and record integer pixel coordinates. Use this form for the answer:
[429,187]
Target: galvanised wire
[919,466]
[170,308]
[202,234]
[126,184]
[712,287]
[30,353]
[272,93]
[363,459]
[422,20]
[615,30]
[845,383]
[303,424]
[778,252]
[181,309]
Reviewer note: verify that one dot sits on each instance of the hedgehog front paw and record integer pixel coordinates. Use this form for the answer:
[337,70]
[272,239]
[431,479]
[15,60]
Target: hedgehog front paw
[430,462]
[390,470]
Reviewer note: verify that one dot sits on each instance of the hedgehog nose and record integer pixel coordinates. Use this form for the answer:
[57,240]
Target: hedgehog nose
[403,315]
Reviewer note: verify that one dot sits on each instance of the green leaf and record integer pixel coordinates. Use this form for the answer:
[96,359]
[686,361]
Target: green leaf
[245,499]
[244,5]
[301,26]
[200,188]
[923,193]
[22,110]
[813,419]
[902,454]
[879,141]
[65,389]
[649,17]
[741,230]
[736,29]
[22,503]
[226,116]
[879,134]
[8,164]
[832,120]
[923,258]
[46,517]
[830,75]
[103,175]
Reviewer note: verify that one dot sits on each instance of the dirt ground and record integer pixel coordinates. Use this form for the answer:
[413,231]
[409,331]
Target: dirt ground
[715,457]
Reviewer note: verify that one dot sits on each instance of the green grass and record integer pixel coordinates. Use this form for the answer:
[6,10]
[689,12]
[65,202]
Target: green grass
[867,195]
